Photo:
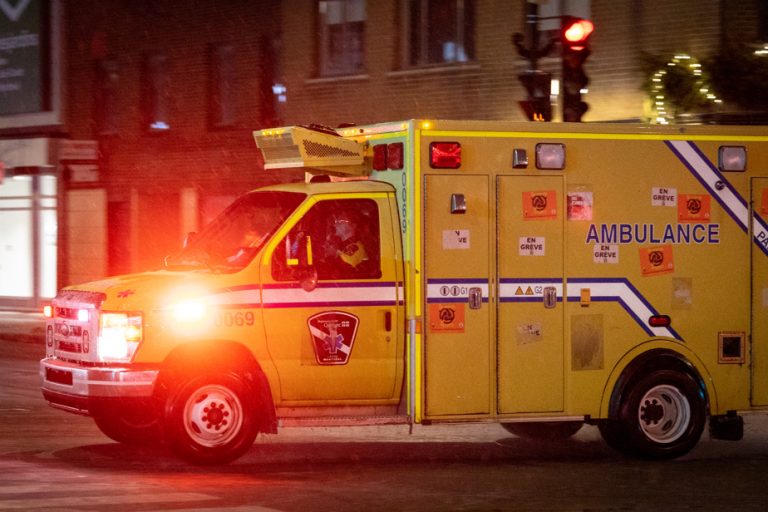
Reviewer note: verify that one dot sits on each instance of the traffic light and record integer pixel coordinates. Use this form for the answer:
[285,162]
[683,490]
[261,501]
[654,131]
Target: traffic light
[538,84]
[574,38]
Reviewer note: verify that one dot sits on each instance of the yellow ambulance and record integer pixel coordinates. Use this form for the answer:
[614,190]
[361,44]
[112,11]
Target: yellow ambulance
[541,276]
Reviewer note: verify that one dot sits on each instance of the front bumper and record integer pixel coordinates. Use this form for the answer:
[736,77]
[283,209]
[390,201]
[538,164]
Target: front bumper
[77,388]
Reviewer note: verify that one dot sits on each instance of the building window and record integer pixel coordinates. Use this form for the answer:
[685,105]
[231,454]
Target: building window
[342,36]
[221,107]
[155,93]
[107,78]
[762,22]
[440,31]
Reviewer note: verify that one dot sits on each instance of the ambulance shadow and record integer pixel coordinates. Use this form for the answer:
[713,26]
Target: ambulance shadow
[273,457]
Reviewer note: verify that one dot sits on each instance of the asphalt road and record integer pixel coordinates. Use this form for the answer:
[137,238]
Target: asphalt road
[50,460]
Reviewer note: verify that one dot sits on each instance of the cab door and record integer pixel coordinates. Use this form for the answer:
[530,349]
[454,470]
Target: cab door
[530,307]
[332,298]
[458,317]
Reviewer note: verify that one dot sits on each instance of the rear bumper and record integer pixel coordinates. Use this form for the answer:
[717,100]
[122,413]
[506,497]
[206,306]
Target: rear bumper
[76,388]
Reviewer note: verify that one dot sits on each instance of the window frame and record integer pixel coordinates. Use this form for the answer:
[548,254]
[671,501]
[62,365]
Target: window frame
[416,34]
[349,60]
[106,112]
[222,87]
[155,93]
[317,219]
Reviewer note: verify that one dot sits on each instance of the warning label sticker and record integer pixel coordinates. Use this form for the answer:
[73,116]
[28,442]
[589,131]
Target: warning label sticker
[540,205]
[532,246]
[529,333]
[764,202]
[456,239]
[663,196]
[656,260]
[527,291]
[446,317]
[605,253]
[579,205]
[694,208]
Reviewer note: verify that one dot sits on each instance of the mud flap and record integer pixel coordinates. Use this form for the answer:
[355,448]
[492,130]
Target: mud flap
[729,427]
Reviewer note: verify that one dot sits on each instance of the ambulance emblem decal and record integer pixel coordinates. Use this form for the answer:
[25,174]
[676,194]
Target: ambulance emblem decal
[332,333]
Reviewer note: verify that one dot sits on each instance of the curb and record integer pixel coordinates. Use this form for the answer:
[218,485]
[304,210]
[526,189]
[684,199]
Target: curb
[22,327]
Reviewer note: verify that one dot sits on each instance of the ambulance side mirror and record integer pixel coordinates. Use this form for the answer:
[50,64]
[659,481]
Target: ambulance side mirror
[308,279]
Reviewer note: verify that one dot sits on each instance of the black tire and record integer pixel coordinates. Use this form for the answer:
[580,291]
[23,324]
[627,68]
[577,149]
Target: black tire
[544,430]
[134,425]
[612,434]
[661,417]
[210,419]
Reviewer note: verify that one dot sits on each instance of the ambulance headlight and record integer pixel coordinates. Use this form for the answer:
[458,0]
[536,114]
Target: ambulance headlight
[119,336]
[732,158]
[189,311]
[550,156]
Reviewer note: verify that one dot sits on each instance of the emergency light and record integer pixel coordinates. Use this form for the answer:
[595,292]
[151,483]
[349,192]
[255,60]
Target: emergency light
[308,147]
[550,156]
[445,155]
[388,156]
[732,158]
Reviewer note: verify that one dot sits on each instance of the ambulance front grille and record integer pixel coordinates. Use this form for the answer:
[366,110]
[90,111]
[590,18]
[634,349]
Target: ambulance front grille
[72,337]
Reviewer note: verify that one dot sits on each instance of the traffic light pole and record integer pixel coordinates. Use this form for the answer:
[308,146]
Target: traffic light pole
[574,41]
[537,106]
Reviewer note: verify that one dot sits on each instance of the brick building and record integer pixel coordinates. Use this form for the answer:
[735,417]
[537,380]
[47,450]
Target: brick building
[160,99]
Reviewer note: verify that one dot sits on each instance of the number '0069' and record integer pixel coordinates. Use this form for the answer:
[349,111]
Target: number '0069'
[235,319]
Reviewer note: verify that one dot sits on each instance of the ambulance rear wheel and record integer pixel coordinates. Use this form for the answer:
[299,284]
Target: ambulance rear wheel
[544,430]
[662,416]
[210,419]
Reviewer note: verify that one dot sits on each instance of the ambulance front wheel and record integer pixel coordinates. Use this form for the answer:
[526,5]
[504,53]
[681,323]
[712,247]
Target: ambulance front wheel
[210,419]
[137,423]
[661,416]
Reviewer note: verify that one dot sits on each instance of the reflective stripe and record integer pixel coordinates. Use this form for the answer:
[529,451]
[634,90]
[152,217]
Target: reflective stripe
[334,294]
[721,189]
[241,297]
[622,291]
[528,290]
[325,295]
[601,290]
[454,290]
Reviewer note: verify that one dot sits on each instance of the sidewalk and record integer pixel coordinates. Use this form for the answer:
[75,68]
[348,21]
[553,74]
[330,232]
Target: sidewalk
[22,326]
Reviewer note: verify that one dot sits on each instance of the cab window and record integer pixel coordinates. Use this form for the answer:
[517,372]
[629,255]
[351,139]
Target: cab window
[339,239]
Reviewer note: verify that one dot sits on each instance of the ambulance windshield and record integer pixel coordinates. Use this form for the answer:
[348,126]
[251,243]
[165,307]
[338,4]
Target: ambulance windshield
[232,239]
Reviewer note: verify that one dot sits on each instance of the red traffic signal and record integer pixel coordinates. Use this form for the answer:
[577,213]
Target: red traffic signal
[575,33]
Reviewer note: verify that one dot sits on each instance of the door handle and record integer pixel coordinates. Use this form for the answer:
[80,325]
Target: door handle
[550,297]
[475,298]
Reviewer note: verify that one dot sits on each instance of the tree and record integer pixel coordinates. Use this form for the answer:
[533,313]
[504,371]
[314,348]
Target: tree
[739,75]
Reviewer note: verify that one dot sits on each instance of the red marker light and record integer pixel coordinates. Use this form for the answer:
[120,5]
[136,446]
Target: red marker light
[380,157]
[395,156]
[660,321]
[445,155]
